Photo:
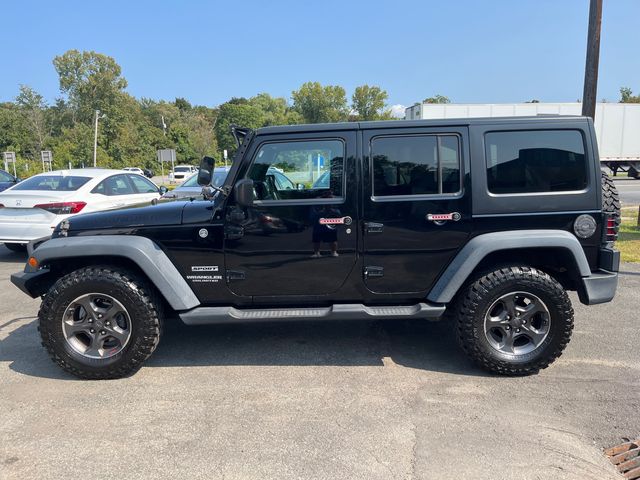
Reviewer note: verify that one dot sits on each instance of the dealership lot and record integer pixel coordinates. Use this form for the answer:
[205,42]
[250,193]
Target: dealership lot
[374,400]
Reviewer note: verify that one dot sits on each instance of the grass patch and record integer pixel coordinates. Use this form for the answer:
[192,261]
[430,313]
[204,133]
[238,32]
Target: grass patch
[629,237]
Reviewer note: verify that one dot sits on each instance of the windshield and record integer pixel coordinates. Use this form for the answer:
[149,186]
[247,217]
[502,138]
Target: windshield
[5,177]
[218,179]
[58,183]
[182,169]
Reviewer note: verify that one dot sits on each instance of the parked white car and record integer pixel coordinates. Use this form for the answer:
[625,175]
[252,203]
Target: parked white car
[137,170]
[31,209]
[181,172]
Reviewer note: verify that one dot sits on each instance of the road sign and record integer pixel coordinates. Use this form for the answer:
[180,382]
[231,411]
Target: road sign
[47,159]
[164,156]
[10,157]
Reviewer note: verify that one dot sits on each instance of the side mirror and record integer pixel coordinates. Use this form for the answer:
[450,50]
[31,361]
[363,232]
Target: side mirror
[243,192]
[205,174]
[163,190]
[299,186]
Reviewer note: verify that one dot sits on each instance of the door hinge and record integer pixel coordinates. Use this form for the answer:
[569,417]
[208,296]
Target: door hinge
[373,227]
[373,272]
[235,275]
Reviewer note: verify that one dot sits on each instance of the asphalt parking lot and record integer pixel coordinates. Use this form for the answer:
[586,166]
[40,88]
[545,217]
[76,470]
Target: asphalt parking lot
[371,400]
[629,189]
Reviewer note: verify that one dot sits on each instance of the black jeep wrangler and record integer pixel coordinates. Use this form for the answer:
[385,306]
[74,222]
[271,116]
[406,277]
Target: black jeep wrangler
[485,221]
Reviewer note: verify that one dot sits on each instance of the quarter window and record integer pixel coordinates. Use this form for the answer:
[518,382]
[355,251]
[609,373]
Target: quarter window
[415,165]
[535,161]
[290,170]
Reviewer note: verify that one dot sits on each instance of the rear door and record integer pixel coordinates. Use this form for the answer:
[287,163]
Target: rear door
[297,239]
[416,205]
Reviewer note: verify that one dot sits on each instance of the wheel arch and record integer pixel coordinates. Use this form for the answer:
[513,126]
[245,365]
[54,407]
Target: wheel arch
[134,253]
[556,252]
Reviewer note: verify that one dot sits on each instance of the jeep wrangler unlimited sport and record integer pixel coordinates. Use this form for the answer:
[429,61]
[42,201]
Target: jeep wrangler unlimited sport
[485,221]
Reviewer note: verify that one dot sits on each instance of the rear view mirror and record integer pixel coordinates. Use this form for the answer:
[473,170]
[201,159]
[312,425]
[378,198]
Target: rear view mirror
[163,190]
[244,192]
[205,174]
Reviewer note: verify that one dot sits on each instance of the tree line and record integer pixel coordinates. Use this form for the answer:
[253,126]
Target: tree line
[133,129]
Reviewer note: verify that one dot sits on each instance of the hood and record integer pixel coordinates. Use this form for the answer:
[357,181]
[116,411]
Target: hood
[148,216]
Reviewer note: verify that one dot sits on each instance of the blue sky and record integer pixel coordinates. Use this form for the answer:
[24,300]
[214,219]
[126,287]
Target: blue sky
[208,51]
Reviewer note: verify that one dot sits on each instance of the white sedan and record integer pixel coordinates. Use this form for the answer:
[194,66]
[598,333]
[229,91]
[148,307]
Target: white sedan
[31,209]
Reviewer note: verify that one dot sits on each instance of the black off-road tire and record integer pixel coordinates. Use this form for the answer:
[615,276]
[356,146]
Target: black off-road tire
[17,247]
[476,298]
[610,198]
[141,301]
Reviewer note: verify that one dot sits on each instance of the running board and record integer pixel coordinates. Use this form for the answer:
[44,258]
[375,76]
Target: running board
[349,311]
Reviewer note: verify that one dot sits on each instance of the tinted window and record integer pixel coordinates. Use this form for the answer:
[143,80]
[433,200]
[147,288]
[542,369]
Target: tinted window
[288,170]
[58,183]
[5,177]
[535,161]
[218,179]
[116,185]
[142,185]
[415,165]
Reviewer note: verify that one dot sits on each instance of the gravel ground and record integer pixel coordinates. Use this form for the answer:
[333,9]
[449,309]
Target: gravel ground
[370,400]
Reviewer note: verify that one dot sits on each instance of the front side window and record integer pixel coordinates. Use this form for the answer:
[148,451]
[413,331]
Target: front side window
[142,185]
[5,177]
[113,186]
[290,170]
[415,165]
[535,161]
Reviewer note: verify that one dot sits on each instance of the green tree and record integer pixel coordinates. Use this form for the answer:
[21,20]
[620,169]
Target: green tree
[92,81]
[236,112]
[318,104]
[276,110]
[437,99]
[626,96]
[34,111]
[369,103]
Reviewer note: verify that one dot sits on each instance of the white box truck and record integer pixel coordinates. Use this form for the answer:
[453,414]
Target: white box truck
[617,124]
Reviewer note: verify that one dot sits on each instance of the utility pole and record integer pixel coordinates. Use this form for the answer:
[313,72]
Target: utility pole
[95,139]
[593,57]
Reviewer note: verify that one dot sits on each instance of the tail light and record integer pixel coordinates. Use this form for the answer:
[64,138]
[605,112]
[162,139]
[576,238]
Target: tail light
[62,208]
[1,205]
[612,228]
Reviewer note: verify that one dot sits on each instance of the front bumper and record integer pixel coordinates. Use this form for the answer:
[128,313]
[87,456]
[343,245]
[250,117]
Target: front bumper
[33,284]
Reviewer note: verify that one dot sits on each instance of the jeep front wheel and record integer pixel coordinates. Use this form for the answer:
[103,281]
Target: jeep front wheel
[100,322]
[514,321]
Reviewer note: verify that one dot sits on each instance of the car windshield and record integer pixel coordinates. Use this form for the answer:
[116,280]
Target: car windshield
[58,183]
[218,179]
[5,177]
[182,169]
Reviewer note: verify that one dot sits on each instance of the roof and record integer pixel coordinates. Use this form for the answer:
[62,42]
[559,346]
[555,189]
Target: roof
[320,127]
[83,172]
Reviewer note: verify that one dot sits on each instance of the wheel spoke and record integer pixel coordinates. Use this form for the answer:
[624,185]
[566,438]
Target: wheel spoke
[117,332]
[87,303]
[536,336]
[507,341]
[95,349]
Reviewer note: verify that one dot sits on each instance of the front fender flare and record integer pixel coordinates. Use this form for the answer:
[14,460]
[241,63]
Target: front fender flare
[479,247]
[145,253]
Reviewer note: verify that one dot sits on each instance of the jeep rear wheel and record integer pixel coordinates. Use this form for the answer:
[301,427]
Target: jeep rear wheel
[514,321]
[100,322]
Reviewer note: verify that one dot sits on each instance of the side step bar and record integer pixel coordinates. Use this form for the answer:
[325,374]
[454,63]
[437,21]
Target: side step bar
[349,311]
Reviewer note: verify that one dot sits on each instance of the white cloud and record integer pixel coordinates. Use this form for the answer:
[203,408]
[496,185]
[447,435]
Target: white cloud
[398,110]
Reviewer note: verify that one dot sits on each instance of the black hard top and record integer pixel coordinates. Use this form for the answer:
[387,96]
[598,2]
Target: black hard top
[320,127]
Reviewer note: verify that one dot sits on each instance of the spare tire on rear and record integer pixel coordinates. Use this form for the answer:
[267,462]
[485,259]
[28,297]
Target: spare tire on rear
[610,199]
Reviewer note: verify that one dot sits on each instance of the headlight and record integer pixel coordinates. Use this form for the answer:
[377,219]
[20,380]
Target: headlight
[585,226]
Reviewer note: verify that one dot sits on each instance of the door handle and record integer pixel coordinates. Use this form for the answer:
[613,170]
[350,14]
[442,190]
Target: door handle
[373,227]
[336,221]
[442,218]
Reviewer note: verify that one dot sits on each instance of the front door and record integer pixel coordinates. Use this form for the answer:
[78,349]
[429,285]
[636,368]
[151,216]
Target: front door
[416,208]
[300,236]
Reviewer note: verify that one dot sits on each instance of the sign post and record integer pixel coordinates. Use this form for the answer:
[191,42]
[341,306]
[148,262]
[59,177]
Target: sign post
[10,157]
[166,155]
[47,160]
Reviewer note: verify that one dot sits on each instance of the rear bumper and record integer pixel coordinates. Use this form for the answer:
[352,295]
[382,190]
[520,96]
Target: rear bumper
[13,232]
[601,285]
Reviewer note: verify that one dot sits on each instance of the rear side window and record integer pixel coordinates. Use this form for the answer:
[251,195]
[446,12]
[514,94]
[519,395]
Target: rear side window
[415,165]
[535,161]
